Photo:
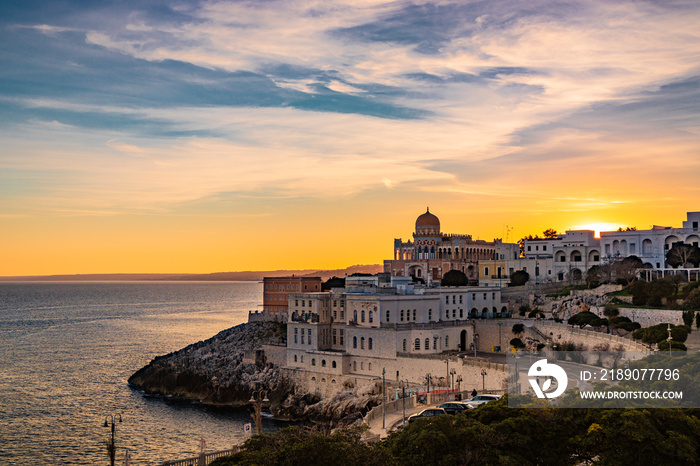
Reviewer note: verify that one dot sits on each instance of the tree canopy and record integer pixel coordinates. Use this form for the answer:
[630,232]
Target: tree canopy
[682,254]
[519,278]
[454,278]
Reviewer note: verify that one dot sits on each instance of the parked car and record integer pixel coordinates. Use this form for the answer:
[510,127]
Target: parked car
[427,413]
[453,407]
[481,399]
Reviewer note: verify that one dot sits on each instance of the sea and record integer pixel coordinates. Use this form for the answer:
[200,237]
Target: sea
[67,350]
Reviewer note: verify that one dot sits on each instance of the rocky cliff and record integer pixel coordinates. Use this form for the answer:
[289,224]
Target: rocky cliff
[213,372]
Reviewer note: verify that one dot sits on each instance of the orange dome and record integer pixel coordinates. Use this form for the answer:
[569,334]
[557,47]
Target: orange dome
[427,220]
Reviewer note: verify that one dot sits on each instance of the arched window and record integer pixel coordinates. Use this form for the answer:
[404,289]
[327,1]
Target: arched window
[363,316]
[354,342]
[369,343]
[404,345]
[416,344]
[371,317]
[427,343]
[323,363]
[435,340]
[354,315]
[295,358]
[313,361]
[334,365]
[362,343]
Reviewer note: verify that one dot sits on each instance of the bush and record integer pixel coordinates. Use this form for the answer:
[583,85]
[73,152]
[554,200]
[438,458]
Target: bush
[675,346]
[517,343]
[519,278]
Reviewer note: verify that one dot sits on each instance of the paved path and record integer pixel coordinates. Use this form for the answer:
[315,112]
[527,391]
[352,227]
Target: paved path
[393,420]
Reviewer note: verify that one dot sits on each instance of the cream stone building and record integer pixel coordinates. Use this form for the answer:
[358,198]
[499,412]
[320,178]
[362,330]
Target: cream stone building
[366,326]
[432,253]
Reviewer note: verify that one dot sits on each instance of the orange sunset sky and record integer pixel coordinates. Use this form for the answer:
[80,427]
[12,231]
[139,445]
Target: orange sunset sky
[213,136]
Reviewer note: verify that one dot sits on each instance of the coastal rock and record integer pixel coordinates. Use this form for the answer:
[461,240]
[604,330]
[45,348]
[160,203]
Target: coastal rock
[213,372]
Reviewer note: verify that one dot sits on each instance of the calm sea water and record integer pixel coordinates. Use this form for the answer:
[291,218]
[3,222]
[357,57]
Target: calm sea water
[67,350]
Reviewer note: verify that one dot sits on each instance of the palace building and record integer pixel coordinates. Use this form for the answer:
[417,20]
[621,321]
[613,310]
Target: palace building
[432,253]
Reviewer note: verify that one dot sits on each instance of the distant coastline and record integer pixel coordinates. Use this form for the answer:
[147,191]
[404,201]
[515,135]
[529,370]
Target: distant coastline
[219,276]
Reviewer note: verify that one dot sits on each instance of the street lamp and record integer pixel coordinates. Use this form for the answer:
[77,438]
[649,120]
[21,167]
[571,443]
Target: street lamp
[447,379]
[257,399]
[403,398]
[669,339]
[459,386]
[427,395]
[476,339]
[111,445]
[500,344]
[483,379]
[452,373]
[384,398]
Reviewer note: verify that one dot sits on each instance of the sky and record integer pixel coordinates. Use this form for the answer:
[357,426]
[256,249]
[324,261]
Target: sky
[209,136]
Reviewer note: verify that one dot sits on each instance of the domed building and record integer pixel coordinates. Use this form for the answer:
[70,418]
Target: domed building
[432,253]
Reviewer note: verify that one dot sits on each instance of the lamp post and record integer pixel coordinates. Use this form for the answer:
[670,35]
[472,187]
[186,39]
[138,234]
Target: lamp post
[476,339]
[427,395]
[452,373]
[500,344]
[459,386]
[111,445]
[403,399]
[383,397]
[257,399]
[483,379]
[669,339]
[447,378]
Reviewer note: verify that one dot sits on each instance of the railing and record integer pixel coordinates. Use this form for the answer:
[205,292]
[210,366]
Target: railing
[565,329]
[203,459]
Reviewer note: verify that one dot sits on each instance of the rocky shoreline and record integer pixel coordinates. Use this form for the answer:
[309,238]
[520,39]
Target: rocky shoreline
[213,372]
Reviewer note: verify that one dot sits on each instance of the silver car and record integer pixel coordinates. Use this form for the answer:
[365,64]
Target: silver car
[481,399]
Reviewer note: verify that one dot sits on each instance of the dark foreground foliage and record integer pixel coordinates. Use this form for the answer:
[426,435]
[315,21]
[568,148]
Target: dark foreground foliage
[494,434]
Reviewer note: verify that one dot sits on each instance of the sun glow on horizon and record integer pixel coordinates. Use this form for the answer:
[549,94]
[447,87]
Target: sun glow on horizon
[597,227]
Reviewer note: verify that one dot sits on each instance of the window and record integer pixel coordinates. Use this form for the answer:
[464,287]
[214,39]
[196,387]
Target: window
[473,295]
[333,365]
[295,358]
[435,340]
[371,318]
[404,345]
[414,314]
[334,336]
[342,315]
[486,271]
[544,247]
[447,341]
[461,313]
[454,299]
[529,248]
[335,303]
[447,313]
[401,315]
[296,302]
[354,315]
[460,299]
[596,257]
[387,316]
[363,316]
[430,314]
[313,361]
[427,343]
[362,343]
[342,335]
[323,363]
[369,344]
[416,344]
[354,342]
[454,313]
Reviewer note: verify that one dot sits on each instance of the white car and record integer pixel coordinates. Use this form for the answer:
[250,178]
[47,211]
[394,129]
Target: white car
[481,399]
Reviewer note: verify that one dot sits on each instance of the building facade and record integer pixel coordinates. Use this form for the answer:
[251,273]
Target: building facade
[432,253]
[652,245]
[362,327]
[276,291]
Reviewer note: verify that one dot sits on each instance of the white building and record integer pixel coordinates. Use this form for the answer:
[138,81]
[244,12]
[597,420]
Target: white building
[356,329]
[565,258]
[651,245]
